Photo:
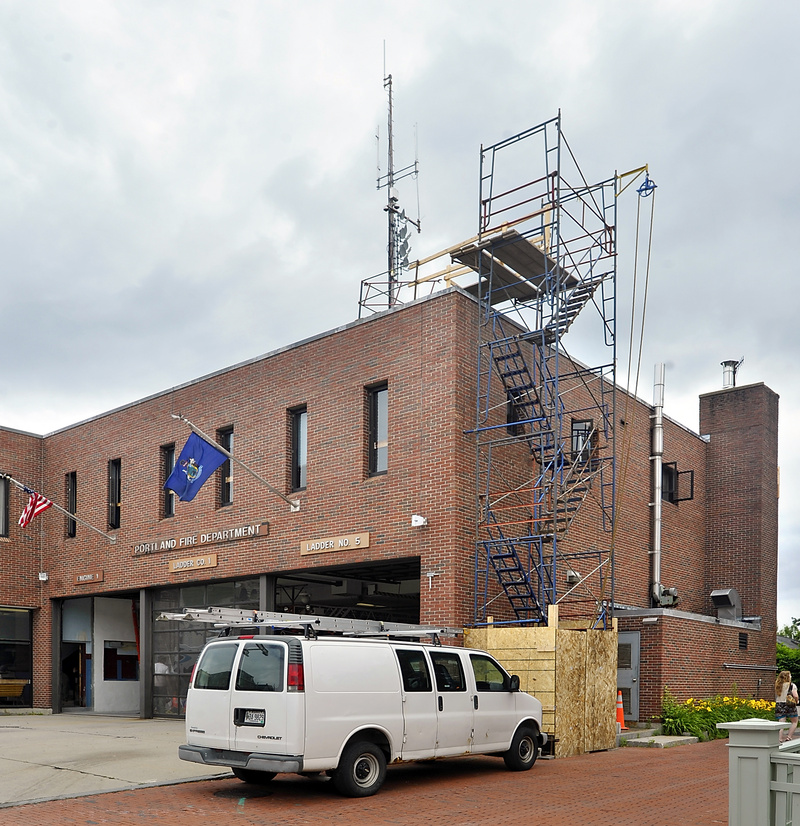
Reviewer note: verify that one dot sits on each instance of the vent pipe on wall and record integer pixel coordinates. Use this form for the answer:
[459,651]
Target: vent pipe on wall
[661,597]
[657,452]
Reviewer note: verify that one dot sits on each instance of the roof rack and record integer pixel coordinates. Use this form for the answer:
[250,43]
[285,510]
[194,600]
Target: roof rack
[310,624]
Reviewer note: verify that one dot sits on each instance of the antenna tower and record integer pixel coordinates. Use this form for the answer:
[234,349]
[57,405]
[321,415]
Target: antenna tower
[381,292]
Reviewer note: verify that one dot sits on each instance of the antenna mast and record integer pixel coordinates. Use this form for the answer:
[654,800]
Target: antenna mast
[398,230]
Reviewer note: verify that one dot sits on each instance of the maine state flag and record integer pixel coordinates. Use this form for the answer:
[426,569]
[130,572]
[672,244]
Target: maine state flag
[198,460]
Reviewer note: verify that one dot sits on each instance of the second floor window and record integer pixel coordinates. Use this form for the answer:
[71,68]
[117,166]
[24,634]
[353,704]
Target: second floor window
[225,438]
[299,425]
[378,412]
[114,492]
[676,485]
[583,437]
[167,466]
[71,499]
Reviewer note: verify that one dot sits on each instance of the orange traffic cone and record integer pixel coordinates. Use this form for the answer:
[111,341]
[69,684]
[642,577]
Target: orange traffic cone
[620,713]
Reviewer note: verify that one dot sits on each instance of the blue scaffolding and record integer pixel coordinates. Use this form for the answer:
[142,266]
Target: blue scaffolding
[545,256]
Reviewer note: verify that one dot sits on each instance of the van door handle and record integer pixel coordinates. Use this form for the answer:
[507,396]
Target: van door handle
[475,701]
[441,704]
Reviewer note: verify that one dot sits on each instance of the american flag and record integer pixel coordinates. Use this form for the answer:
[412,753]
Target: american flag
[36,504]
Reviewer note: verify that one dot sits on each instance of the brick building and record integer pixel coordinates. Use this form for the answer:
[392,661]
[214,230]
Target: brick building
[370,427]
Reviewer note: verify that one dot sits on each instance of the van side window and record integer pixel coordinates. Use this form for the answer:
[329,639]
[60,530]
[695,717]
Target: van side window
[448,671]
[214,668]
[261,667]
[488,674]
[414,669]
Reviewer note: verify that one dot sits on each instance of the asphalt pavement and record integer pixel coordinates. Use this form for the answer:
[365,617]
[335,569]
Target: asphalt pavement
[55,756]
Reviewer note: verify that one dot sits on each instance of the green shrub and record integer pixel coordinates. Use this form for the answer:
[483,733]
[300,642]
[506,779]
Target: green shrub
[700,717]
[788,659]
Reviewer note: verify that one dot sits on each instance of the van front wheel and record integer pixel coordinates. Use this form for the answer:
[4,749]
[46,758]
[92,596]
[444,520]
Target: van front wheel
[361,770]
[253,776]
[524,747]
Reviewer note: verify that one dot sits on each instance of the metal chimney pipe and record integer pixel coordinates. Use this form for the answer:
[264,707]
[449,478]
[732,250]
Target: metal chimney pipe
[729,373]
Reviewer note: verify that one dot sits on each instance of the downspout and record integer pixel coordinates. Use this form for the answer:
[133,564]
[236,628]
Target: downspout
[657,459]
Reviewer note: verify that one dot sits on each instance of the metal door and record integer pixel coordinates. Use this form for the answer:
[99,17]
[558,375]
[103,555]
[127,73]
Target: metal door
[454,704]
[260,699]
[628,673]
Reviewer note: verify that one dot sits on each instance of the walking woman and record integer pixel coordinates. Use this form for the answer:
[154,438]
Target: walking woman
[786,703]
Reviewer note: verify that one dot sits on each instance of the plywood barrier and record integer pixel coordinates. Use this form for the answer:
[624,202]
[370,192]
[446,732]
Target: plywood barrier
[573,673]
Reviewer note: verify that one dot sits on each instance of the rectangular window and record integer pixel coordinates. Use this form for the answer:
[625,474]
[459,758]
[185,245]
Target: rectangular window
[414,670]
[167,466]
[120,661]
[261,667]
[378,411]
[214,669]
[488,674]
[225,438]
[16,658]
[3,507]
[448,672]
[114,492]
[583,436]
[676,485]
[299,424]
[71,499]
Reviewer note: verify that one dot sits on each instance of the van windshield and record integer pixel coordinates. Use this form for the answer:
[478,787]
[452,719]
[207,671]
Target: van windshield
[214,668]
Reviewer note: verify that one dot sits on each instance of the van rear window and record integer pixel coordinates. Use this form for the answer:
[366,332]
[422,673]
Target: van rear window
[261,667]
[214,668]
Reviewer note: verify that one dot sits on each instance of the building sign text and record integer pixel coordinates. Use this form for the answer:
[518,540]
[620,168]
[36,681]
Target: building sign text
[88,576]
[196,540]
[334,543]
[192,563]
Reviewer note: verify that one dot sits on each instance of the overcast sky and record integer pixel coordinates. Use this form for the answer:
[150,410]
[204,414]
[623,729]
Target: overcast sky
[165,161]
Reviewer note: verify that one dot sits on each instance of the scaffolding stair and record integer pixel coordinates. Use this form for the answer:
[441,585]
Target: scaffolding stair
[514,579]
[573,302]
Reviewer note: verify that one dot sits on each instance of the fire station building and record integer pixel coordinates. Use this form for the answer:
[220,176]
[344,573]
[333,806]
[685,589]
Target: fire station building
[370,429]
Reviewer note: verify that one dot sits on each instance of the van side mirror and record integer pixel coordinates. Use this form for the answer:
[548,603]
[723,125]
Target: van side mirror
[513,683]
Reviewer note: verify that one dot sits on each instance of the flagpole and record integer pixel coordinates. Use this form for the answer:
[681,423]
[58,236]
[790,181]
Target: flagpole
[294,504]
[111,539]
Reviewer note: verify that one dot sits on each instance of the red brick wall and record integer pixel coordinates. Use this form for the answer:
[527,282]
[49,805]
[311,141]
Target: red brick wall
[426,353]
[21,457]
[700,659]
[742,497]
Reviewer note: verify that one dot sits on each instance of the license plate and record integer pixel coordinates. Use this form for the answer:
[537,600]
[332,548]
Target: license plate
[255,718]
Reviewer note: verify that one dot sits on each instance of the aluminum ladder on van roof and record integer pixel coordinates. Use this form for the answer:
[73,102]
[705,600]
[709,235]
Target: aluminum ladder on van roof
[310,624]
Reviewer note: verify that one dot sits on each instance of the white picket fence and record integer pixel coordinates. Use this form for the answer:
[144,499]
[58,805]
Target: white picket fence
[763,775]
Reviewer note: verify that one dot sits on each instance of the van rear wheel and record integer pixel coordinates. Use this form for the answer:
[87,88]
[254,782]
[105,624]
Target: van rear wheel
[361,770]
[253,776]
[524,748]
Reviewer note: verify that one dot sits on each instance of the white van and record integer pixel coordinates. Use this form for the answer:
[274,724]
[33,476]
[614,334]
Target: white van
[263,704]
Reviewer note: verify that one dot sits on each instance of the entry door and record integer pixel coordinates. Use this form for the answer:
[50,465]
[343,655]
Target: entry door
[628,673]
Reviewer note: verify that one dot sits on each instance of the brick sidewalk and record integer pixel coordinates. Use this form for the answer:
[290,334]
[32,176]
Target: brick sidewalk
[686,785]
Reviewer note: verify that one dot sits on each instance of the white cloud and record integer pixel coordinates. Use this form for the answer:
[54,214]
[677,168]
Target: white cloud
[226,151]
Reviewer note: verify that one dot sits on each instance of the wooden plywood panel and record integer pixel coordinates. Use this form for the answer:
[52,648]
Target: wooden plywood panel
[570,693]
[571,672]
[601,690]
